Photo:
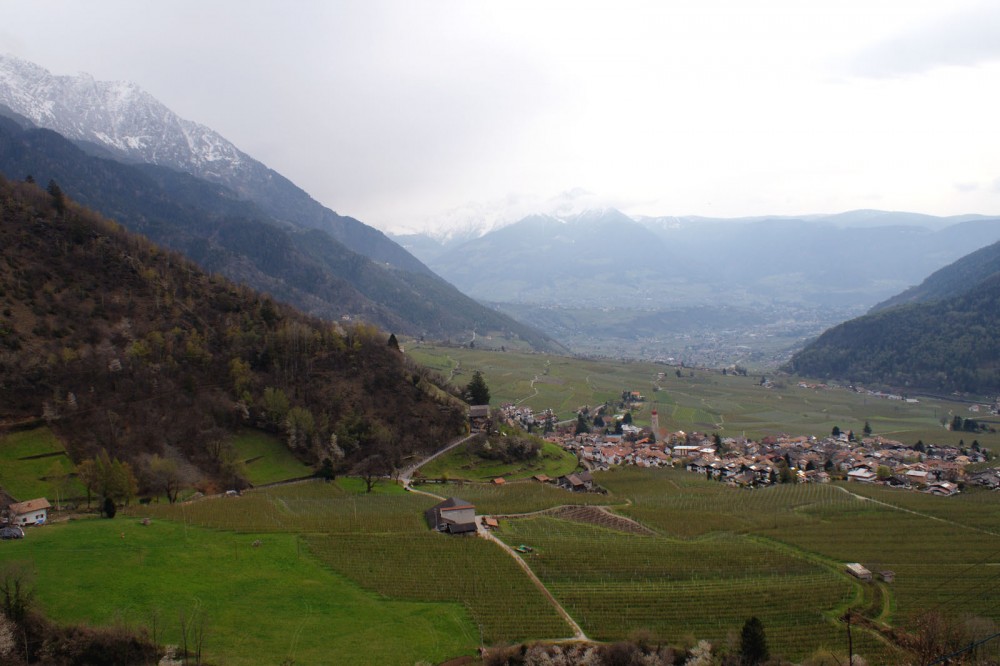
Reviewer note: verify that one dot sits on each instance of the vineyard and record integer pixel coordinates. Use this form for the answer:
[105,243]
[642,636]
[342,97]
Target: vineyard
[664,551]
[614,584]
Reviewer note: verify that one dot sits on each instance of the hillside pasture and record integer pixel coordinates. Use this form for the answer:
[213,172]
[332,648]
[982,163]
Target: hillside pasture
[26,457]
[462,463]
[273,603]
[266,458]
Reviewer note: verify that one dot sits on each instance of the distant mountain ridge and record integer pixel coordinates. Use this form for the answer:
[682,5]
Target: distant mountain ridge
[860,257]
[943,334]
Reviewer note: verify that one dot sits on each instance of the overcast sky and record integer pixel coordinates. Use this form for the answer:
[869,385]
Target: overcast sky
[418,113]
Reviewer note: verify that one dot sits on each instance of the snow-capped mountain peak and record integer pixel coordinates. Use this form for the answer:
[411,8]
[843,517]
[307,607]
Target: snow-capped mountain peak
[118,115]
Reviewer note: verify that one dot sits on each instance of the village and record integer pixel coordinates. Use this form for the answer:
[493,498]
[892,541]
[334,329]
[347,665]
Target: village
[743,462]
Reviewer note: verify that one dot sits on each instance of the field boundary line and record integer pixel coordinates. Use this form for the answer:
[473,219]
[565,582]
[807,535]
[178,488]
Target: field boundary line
[916,513]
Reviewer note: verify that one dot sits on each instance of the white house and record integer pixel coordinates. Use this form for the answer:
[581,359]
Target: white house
[32,512]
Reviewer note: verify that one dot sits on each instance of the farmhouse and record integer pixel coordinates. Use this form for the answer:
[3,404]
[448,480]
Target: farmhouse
[32,512]
[579,482]
[453,515]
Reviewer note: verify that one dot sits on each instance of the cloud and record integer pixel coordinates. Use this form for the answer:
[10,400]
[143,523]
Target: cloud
[966,187]
[965,38]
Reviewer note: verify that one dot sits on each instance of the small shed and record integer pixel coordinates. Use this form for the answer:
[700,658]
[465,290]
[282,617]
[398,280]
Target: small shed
[453,515]
[32,512]
[499,481]
[859,572]
[887,576]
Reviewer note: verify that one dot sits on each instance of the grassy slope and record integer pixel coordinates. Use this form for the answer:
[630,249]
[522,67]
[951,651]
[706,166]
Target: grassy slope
[459,463]
[267,458]
[24,479]
[273,603]
[707,401]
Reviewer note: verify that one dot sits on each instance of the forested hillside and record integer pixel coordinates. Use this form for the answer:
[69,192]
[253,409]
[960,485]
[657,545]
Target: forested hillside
[123,346]
[952,344]
[952,280]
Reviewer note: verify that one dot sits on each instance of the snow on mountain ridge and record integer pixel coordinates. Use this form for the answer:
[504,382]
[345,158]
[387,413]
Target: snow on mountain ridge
[118,115]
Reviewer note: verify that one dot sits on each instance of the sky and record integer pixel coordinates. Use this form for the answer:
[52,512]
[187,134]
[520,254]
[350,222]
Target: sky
[430,115]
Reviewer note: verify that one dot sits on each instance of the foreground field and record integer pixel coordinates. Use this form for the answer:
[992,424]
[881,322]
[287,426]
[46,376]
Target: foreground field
[701,400]
[346,576]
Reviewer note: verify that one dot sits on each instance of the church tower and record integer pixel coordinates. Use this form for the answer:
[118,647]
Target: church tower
[655,423]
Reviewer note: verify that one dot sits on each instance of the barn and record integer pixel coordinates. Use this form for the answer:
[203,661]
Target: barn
[453,515]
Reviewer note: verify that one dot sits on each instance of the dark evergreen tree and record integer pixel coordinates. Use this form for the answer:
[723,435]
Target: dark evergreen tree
[753,643]
[393,342]
[58,198]
[108,508]
[836,431]
[581,424]
[477,392]
[868,429]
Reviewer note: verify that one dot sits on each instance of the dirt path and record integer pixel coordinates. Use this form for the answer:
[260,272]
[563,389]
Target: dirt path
[407,474]
[481,530]
[916,513]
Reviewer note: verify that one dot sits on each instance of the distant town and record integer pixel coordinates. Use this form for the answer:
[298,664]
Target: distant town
[739,461]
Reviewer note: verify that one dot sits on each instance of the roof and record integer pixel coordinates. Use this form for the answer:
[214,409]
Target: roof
[453,504]
[29,506]
[461,528]
[476,411]
[499,481]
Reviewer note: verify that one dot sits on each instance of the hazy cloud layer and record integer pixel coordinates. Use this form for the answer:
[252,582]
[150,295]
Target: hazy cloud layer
[967,37]
[420,113]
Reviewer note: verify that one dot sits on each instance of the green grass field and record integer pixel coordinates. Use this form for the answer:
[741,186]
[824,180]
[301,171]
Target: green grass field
[25,475]
[460,463]
[268,604]
[267,458]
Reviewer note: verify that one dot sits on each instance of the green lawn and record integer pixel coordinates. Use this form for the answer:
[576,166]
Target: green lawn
[24,476]
[260,605]
[461,463]
[267,458]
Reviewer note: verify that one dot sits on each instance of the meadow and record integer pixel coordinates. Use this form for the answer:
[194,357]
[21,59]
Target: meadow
[697,400]
[461,463]
[28,460]
[266,458]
